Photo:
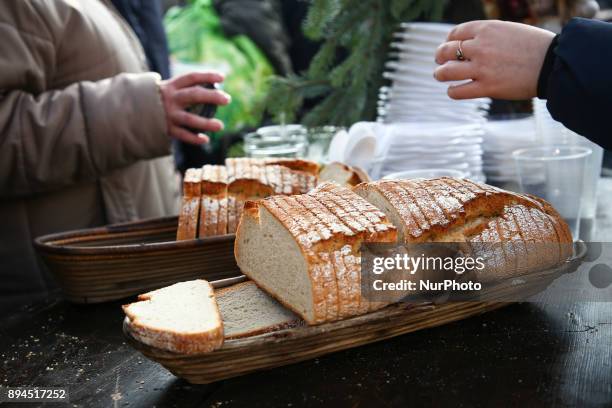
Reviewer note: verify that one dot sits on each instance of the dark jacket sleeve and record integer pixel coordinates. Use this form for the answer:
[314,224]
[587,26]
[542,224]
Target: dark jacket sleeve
[578,82]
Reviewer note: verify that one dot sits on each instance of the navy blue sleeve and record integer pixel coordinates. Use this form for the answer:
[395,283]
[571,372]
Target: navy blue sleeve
[578,85]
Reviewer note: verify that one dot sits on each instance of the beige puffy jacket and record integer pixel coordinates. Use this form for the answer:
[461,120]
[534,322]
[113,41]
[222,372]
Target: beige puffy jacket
[82,131]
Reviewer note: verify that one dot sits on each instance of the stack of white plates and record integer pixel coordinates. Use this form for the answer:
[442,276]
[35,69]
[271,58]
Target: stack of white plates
[429,130]
[439,145]
[414,95]
[501,138]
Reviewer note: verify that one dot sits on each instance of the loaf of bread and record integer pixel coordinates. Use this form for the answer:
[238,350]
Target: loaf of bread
[183,318]
[514,233]
[190,207]
[250,180]
[343,174]
[214,196]
[304,249]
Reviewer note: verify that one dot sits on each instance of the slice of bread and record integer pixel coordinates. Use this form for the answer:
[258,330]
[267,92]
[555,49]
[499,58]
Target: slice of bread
[343,174]
[296,247]
[190,207]
[213,212]
[248,311]
[183,318]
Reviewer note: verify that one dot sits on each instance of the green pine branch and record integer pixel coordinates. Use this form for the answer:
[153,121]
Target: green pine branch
[346,91]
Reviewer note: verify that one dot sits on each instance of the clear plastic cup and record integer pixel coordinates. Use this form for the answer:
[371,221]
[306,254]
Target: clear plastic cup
[555,173]
[319,140]
[551,132]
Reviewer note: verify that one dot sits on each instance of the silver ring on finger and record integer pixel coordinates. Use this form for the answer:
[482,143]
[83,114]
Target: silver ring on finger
[459,53]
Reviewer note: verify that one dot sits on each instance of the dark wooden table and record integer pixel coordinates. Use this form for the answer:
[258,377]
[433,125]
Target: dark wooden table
[556,353]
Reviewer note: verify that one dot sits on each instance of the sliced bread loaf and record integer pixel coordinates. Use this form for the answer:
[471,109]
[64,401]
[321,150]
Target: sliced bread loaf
[253,179]
[248,311]
[190,208]
[515,233]
[183,318]
[304,250]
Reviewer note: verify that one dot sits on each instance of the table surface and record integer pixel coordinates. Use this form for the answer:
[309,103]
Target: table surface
[526,354]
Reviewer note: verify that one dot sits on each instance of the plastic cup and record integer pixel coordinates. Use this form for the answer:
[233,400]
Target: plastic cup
[551,132]
[319,140]
[555,173]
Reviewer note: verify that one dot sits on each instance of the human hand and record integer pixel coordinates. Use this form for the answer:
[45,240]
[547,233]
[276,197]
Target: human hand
[183,91]
[502,59]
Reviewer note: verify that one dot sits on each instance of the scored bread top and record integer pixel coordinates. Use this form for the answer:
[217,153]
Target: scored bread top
[191,183]
[329,216]
[306,166]
[214,179]
[250,175]
[449,209]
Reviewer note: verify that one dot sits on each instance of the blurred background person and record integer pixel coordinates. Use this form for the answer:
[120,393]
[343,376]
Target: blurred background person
[85,130]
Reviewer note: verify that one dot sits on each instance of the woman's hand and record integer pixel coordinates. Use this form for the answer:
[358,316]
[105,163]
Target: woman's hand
[502,59]
[183,91]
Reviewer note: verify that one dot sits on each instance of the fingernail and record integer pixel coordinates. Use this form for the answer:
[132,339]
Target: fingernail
[219,74]
[205,139]
[228,97]
[221,124]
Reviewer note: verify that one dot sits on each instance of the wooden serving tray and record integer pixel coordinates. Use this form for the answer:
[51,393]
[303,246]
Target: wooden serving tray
[286,346]
[117,261]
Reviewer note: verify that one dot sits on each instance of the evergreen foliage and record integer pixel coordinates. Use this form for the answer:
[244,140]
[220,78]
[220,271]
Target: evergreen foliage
[346,90]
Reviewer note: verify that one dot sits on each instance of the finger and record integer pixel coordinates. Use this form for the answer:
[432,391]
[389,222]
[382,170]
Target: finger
[197,95]
[190,120]
[470,90]
[195,78]
[188,137]
[464,31]
[455,71]
[448,51]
